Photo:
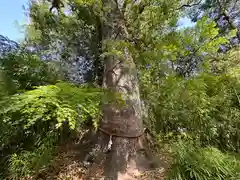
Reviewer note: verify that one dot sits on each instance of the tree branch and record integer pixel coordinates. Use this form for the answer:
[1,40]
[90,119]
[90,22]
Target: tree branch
[189,5]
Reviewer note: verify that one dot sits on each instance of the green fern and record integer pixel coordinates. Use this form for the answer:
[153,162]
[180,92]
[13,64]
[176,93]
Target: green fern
[61,103]
[33,122]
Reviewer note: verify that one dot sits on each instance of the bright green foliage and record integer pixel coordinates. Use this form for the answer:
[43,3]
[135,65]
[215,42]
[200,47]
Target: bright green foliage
[224,12]
[54,104]
[27,118]
[229,62]
[205,107]
[203,164]
[208,32]
[23,123]
[200,40]
[78,32]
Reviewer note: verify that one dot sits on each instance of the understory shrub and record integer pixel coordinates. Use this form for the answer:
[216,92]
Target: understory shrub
[23,71]
[32,124]
[205,107]
[30,162]
[195,163]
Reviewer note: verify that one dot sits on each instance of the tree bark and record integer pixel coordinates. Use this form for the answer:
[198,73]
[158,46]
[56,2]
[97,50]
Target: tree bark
[120,75]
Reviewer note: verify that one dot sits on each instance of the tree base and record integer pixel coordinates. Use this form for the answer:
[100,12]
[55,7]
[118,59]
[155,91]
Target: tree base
[126,160]
[85,158]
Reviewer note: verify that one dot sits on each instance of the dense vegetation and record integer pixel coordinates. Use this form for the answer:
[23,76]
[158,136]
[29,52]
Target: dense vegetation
[189,84]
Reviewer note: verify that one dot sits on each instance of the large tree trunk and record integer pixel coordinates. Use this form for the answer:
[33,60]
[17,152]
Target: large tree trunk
[123,122]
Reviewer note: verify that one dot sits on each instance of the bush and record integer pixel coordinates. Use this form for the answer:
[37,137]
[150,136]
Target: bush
[195,163]
[205,107]
[23,71]
[33,122]
[25,163]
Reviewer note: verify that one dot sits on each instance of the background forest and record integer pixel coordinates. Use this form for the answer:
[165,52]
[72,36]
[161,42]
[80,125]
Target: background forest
[189,80]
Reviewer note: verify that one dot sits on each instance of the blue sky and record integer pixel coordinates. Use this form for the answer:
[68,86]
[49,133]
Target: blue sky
[11,11]
[185,22]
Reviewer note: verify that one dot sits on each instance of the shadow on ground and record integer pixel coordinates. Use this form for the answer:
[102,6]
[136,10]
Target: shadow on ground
[71,164]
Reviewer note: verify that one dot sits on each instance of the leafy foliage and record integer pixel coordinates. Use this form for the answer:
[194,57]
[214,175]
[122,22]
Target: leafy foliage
[25,163]
[22,71]
[205,107]
[203,163]
[27,117]
[224,13]
[72,40]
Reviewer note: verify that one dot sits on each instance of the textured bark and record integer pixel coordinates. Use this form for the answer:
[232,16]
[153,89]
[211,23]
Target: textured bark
[120,76]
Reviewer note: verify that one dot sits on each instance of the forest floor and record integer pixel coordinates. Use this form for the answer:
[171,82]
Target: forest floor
[68,165]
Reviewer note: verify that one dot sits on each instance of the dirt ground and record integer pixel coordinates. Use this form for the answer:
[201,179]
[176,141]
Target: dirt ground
[68,165]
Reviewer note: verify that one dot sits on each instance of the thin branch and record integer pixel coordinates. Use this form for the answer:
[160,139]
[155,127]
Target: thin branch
[189,5]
